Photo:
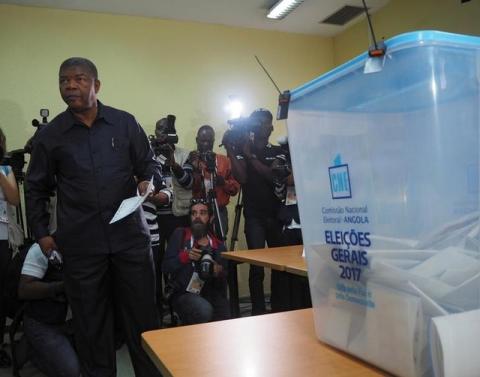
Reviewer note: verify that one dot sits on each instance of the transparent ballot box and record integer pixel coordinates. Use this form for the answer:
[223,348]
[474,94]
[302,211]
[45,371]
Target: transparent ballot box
[385,154]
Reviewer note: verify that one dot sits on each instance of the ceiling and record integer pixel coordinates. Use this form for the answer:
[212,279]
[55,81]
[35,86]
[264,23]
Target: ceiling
[243,13]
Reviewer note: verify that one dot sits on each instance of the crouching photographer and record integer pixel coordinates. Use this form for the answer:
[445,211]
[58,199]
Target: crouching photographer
[197,285]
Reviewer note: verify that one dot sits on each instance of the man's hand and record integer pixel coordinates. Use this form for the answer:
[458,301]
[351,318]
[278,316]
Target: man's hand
[159,199]
[170,156]
[246,150]
[143,186]
[194,158]
[194,254]
[47,244]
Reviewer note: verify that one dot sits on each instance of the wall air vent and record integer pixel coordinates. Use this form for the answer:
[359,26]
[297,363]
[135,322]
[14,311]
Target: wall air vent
[343,15]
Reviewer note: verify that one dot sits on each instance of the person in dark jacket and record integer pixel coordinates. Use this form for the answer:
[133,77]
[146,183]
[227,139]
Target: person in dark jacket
[44,320]
[196,270]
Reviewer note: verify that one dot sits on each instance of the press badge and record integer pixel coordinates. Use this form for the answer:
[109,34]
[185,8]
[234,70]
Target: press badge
[168,182]
[196,284]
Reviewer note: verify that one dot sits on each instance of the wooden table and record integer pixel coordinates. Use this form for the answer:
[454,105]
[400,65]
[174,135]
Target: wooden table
[287,258]
[281,344]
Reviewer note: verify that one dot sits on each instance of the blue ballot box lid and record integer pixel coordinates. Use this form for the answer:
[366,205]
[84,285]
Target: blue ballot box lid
[412,60]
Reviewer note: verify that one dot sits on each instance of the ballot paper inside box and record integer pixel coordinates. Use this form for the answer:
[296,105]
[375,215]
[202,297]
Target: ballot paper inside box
[386,171]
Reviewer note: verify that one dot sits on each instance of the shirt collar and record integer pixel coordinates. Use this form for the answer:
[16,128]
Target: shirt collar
[103,112]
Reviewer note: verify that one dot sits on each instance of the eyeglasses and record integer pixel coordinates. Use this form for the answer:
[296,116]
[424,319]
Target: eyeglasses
[199,201]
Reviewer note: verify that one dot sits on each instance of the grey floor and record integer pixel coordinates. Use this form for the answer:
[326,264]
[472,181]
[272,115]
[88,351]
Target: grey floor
[124,366]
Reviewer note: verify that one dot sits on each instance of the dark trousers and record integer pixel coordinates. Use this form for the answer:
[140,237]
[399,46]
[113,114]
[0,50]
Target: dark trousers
[166,225]
[50,348]
[291,291]
[259,230]
[193,308]
[5,258]
[93,282]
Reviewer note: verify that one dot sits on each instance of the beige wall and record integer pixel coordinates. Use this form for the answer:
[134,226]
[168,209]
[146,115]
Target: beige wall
[149,67]
[400,16]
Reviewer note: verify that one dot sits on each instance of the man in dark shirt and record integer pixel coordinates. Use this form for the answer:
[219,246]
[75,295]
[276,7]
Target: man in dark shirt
[251,166]
[94,155]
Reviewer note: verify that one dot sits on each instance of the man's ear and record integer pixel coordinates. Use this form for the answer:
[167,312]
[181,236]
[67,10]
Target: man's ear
[97,85]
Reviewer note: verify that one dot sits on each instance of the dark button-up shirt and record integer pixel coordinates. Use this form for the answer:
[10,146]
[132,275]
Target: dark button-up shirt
[258,192]
[93,170]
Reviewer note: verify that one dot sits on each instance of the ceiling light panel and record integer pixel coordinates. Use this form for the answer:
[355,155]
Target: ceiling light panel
[283,8]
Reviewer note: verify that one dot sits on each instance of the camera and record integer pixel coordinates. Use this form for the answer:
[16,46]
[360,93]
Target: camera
[55,260]
[161,144]
[240,129]
[209,158]
[204,266]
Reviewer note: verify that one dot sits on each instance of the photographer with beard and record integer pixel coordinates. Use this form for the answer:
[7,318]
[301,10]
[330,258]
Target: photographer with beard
[212,176]
[197,273]
[251,159]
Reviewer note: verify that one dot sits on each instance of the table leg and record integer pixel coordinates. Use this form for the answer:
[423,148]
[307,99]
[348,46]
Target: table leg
[233,289]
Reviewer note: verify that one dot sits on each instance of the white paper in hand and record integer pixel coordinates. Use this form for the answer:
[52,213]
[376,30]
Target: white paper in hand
[130,205]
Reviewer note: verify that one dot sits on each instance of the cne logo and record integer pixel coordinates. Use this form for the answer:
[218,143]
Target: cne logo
[339,179]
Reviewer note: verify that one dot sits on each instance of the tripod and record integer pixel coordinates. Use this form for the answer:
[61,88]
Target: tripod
[212,197]
[236,221]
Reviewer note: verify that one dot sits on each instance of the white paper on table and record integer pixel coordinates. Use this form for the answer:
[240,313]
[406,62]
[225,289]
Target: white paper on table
[455,340]
[130,205]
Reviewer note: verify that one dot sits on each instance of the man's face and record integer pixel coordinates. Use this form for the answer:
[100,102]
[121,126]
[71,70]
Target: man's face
[199,214]
[205,140]
[78,88]
[262,134]
[200,219]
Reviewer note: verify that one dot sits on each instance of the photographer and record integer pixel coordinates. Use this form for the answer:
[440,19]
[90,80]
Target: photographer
[292,291]
[173,161]
[251,156]
[285,191]
[41,286]
[197,272]
[172,203]
[212,176]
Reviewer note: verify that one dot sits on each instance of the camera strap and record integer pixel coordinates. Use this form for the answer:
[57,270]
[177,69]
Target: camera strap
[192,242]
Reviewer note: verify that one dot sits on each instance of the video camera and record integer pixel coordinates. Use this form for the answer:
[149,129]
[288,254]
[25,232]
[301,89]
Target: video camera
[209,158]
[240,129]
[204,266]
[161,144]
[16,158]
